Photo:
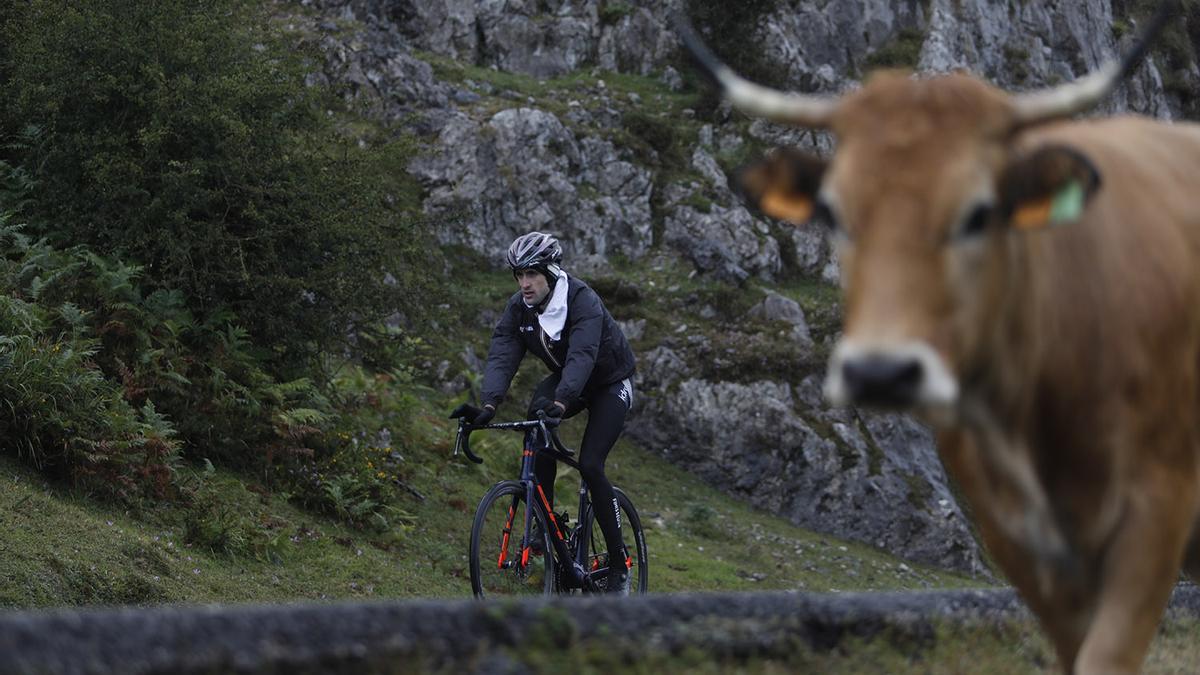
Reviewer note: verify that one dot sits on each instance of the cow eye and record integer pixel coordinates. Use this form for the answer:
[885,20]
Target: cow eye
[822,217]
[977,222]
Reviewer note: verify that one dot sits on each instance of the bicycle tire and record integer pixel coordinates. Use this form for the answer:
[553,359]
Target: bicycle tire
[503,575]
[640,571]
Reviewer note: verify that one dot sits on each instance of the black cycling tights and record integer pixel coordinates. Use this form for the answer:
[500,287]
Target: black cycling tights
[606,418]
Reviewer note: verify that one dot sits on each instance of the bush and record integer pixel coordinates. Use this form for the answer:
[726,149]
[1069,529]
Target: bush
[57,409]
[904,51]
[154,353]
[180,136]
[358,462]
[611,12]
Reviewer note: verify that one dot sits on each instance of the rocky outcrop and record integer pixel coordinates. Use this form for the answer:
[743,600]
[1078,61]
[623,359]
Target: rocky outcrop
[543,38]
[821,48]
[522,170]
[1022,45]
[871,477]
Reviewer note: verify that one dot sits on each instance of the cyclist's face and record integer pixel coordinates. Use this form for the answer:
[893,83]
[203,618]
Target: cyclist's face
[533,286]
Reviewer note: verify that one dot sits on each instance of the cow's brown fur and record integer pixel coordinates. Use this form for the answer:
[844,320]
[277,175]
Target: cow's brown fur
[1075,434]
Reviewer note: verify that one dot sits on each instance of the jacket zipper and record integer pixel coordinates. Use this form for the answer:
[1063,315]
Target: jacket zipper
[547,348]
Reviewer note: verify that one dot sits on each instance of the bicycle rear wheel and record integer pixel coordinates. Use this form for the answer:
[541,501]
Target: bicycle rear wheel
[499,567]
[635,543]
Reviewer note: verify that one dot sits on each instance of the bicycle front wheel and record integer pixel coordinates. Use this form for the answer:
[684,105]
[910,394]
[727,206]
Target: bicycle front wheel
[499,565]
[635,542]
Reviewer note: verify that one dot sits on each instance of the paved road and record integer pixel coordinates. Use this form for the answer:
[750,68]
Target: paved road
[466,636]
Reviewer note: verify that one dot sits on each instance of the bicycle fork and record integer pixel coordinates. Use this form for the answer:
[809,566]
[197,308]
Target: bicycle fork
[576,576]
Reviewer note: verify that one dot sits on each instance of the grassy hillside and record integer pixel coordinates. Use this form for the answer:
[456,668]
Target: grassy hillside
[241,538]
[60,548]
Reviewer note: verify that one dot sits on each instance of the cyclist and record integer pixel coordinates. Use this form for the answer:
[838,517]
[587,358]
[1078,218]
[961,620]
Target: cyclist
[563,322]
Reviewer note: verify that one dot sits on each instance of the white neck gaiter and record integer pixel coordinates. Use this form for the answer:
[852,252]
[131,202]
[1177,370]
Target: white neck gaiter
[554,317]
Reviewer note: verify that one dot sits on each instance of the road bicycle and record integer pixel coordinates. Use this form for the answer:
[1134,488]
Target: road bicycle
[550,554]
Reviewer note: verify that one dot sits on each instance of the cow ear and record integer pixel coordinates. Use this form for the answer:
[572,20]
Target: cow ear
[784,185]
[1049,187]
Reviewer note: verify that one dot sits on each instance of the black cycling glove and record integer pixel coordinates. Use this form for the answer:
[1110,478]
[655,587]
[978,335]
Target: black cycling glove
[472,414]
[485,415]
[550,407]
[464,410]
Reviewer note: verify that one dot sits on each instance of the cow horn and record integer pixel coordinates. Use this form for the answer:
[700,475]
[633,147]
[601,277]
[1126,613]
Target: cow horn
[752,99]
[1075,97]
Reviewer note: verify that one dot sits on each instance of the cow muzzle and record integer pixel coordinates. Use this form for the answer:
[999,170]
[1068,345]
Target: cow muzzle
[896,376]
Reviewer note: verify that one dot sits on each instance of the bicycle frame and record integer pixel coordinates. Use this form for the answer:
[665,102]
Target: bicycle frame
[534,493]
[540,439]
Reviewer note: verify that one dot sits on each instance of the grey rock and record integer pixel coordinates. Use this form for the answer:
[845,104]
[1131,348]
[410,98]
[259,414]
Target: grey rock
[723,240]
[640,42]
[813,252]
[522,170]
[633,329]
[465,97]
[708,167]
[776,307]
[385,76]
[876,480]
[735,631]
[1019,46]
[671,78]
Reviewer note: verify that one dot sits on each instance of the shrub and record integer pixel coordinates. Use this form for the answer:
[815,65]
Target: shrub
[649,132]
[611,12]
[58,410]
[904,51]
[205,375]
[180,136]
[224,522]
[358,463]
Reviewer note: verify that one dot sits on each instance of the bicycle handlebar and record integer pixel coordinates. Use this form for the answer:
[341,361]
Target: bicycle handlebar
[546,423]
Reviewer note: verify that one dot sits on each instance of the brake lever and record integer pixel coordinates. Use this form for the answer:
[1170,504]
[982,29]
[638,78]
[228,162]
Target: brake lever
[551,437]
[463,441]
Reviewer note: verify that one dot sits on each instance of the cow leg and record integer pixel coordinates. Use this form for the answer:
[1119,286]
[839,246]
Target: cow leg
[1018,502]
[1138,571]
[1064,614]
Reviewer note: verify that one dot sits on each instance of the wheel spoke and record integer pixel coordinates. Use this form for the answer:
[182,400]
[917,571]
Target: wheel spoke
[497,568]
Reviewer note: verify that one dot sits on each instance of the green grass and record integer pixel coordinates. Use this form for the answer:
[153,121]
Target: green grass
[62,549]
[553,94]
[903,51]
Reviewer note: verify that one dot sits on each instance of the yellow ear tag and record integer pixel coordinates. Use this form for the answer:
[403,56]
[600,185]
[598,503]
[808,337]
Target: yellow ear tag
[1031,215]
[1064,207]
[794,209]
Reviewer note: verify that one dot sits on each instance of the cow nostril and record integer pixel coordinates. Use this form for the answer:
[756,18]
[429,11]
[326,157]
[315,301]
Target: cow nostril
[883,380]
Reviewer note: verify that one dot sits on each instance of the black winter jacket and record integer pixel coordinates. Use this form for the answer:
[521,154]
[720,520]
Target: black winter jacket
[591,352]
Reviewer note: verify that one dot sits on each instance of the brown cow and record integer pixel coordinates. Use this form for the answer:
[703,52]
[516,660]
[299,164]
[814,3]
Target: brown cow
[1031,287]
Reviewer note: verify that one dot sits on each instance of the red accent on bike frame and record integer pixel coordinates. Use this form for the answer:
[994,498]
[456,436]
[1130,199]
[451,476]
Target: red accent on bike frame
[628,562]
[546,503]
[525,557]
[512,511]
[595,564]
